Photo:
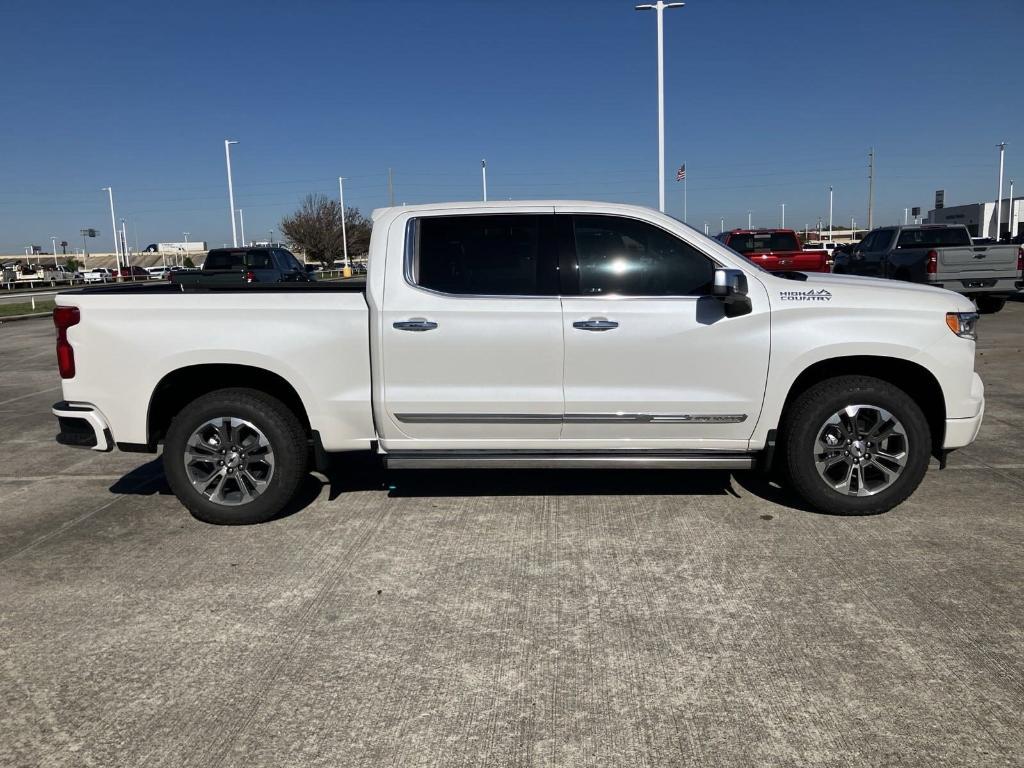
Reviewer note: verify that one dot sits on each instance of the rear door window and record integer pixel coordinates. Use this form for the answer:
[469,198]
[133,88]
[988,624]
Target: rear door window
[484,255]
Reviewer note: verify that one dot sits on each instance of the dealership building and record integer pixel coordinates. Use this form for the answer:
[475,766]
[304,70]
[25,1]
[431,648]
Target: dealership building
[980,218]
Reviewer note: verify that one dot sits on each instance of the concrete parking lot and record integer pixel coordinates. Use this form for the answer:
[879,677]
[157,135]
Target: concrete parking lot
[514,618]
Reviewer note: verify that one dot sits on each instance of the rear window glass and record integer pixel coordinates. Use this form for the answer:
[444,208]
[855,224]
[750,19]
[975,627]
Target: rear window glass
[933,238]
[761,242]
[238,259]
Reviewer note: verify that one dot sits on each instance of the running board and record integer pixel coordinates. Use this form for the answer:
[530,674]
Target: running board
[566,460]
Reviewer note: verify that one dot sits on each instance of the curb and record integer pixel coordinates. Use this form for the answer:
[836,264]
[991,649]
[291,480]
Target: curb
[15,318]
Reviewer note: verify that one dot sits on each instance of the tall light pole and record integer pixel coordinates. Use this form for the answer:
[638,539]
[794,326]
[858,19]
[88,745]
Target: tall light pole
[783,225]
[830,212]
[723,225]
[241,225]
[231,190]
[124,243]
[113,225]
[483,171]
[999,198]
[871,187]
[1009,214]
[341,199]
[659,7]
[186,234]
[54,240]
[750,224]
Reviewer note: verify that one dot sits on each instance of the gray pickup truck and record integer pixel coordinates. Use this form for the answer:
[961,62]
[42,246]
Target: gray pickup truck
[940,255]
[230,266]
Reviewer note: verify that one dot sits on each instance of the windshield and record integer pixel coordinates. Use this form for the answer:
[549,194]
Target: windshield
[762,242]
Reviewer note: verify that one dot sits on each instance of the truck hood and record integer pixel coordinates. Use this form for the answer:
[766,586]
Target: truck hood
[869,291]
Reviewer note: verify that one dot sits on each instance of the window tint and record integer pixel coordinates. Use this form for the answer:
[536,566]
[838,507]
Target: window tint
[499,255]
[632,258]
[933,238]
[762,242]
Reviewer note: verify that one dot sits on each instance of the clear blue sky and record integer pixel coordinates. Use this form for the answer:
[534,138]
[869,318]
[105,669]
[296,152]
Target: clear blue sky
[558,96]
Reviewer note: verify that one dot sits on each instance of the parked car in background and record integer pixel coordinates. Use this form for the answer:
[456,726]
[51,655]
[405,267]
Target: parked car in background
[506,334]
[776,250]
[132,273]
[232,266]
[942,255]
[158,273]
[98,275]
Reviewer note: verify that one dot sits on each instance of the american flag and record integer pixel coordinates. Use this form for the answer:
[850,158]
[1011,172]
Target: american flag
[681,173]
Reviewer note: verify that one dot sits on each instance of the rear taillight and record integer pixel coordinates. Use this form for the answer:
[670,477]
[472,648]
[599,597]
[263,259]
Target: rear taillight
[933,262]
[64,318]
[250,276]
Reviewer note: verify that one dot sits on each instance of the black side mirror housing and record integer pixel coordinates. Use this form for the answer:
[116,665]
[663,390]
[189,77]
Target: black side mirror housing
[730,288]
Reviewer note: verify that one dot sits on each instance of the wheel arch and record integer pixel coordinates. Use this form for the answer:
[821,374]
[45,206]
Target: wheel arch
[183,385]
[913,378]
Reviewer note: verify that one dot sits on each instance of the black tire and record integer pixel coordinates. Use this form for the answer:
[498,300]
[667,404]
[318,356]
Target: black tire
[989,305]
[278,424]
[808,415]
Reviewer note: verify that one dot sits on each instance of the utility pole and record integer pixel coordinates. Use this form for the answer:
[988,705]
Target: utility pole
[705,229]
[871,186]
[483,170]
[749,220]
[723,225]
[113,225]
[906,216]
[124,245]
[186,234]
[231,191]
[391,188]
[783,224]
[999,198]
[659,7]
[54,241]
[830,213]
[241,226]
[341,199]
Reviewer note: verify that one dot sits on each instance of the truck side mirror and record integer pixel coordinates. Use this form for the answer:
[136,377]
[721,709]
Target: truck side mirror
[730,287]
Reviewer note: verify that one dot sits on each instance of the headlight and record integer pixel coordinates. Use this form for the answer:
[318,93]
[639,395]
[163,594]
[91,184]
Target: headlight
[963,324]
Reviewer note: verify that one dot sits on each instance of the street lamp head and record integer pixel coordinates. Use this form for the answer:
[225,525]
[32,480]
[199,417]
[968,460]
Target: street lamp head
[230,141]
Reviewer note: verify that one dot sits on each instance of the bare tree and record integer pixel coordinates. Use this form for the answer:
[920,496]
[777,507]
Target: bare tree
[316,228]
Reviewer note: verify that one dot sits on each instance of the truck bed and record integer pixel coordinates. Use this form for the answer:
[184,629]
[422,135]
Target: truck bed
[314,336]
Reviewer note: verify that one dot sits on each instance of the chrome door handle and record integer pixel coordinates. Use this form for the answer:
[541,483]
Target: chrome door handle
[416,324]
[595,324]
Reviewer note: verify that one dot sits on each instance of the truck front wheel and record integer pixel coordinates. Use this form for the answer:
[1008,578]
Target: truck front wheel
[235,456]
[856,445]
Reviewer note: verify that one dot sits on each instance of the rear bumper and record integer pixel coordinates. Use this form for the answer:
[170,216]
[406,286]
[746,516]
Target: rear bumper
[962,432]
[82,426]
[979,285]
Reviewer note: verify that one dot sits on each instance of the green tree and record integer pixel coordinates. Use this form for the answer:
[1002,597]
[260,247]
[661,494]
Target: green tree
[72,264]
[187,263]
[316,229]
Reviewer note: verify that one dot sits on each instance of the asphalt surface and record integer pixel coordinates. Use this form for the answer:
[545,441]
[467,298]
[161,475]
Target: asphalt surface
[507,618]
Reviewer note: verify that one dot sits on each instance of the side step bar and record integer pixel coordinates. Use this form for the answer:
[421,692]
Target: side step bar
[568,460]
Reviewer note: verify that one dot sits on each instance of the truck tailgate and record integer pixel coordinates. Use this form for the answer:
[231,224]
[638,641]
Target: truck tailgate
[978,259]
[791,261]
[315,339]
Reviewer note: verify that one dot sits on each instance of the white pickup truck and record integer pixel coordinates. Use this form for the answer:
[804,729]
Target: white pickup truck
[514,334]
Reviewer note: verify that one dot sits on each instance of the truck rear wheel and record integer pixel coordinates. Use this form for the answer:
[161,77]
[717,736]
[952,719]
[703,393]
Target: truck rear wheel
[989,305]
[235,456]
[856,445]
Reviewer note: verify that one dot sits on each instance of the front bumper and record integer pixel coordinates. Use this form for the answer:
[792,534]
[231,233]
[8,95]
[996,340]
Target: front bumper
[82,426]
[962,432]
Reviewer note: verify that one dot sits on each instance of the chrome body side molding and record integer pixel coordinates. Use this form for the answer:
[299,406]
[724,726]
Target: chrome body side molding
[571,418]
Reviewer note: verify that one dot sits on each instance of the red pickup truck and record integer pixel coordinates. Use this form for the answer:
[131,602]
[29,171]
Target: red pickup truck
[776,250]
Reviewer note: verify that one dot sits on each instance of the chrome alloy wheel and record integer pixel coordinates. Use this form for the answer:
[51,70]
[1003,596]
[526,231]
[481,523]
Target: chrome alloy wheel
[861,450]
[229,461]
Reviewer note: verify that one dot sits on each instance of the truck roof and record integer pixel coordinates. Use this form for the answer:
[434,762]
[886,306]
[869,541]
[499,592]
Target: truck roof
[498,205]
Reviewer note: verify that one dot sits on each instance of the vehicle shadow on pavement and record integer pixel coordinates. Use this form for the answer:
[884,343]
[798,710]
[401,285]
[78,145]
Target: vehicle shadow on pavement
[366,473]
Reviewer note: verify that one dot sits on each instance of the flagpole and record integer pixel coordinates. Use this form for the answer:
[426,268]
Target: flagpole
[684,193]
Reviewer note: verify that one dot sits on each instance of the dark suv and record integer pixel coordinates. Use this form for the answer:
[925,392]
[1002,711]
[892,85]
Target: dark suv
[245,265]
